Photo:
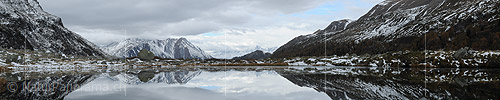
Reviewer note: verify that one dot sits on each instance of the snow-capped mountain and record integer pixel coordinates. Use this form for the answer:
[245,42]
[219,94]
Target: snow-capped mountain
[24,25]
[396,25]
[169,48]
[175,77]
[228,54]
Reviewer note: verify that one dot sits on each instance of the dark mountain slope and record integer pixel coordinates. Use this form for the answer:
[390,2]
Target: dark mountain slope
[258,54]
[396,25]
[24,25]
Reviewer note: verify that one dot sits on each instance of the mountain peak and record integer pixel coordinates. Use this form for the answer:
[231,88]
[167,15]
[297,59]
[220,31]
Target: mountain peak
[168,48]
[258,51]
[26,26]
[231,53]
[257,54]
[337,25]
[182,40]
[385,2]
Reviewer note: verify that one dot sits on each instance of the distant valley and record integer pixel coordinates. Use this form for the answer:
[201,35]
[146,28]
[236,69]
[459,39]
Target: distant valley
[230,53]
[396,33]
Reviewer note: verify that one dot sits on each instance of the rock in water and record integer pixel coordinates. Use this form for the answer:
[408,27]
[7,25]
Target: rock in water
[146,55]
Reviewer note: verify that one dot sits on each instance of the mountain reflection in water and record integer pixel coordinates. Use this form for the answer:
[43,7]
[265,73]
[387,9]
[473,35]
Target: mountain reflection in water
[250,83]
[395,83]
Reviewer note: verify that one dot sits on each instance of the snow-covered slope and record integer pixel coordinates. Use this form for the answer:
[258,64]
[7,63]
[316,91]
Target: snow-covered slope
[24,25]
[402,18]
[228,54]
[395,25]
[169,48]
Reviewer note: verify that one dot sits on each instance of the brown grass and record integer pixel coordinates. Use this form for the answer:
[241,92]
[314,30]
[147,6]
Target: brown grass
[4,69]
[3,84]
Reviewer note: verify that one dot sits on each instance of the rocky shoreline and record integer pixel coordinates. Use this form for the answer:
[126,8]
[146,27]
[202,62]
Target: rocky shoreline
[463,58]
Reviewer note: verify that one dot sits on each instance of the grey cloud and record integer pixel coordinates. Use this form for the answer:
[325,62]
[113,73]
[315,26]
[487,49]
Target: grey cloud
[288,6]
[190,27]
[168,17]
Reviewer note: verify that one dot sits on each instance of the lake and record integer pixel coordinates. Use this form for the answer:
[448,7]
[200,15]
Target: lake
[251,83]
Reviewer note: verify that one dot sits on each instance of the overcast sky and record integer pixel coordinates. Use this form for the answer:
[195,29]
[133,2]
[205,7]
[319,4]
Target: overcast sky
[210,24]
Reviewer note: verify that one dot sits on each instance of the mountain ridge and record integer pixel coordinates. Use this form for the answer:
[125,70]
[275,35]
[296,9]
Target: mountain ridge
[174,48]
[257,54]
[25,25]
[398,25]
[228,54]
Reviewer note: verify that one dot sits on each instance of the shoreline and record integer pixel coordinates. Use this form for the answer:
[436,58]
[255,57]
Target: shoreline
[431,59]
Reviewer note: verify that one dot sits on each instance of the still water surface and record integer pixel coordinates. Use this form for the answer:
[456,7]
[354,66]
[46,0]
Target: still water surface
[253,83]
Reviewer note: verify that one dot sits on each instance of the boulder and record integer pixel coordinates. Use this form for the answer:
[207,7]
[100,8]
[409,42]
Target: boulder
[462,52]
[14,58]
[146,55]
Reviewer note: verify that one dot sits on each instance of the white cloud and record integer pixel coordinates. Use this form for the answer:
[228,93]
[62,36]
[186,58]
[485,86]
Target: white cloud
[242,23]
